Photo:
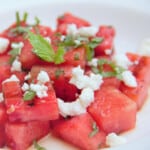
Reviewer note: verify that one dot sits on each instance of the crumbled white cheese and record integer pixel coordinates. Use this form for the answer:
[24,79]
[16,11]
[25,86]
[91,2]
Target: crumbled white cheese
[4,43]
[145,47]
[93,62]
[17,45]
[121,60]
[77,42]
[95,81]
[83,81]
[87,31]
[72,30]
[40,90]
[129,79]
[62,38]
[16,65]
[25,87]
[86,97]
[1,97]
[83,31]
[43,77]
[12,78]
[113,140]
[28,76]
[108,51]
[48,39]
[70,109]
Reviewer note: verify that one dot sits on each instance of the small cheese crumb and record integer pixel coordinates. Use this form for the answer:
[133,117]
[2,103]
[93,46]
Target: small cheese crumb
[86,97]
[16,65]
[70,109]
[72,30]
[108,51]
[12,78]
[4,43]
[121,60]
[113,140]
[83,31]
[62,38]
[1,97]
[83,81]
[41,90]
[43,77]
[129,79]
[28,76]
[93,62]
[25,87]
[87,31]
[19,45]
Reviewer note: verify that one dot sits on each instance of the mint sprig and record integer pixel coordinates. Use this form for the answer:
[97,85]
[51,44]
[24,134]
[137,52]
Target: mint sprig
[43,49]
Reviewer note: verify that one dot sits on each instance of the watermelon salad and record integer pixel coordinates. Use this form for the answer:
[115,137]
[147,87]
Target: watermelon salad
[69,82]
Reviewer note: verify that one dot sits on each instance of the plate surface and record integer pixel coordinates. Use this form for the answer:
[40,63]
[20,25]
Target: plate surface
[131,28]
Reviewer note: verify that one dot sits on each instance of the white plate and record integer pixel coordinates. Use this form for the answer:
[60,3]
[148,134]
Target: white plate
[131,27]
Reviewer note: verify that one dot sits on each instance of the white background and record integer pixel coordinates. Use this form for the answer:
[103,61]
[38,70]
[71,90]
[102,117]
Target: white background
[140,5]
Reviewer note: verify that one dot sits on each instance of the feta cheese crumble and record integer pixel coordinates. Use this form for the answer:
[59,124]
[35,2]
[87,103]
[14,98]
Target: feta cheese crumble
[43,77]
[87,31]
[16,65]
[3,45]
[93,62]
[1,97]
[121,60]
[71,109]
[12,78]
[28,76]
[83,31]
[83,81]
[40,90]
[87,84]
[19,45]
[113,140]
[72,30]
[25,87]
[108,51]
[129,79]
[86,97]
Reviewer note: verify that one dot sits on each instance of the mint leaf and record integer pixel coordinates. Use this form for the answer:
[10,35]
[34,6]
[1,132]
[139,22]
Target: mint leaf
[41,47]
[18,20]
[44,50]
[37,146]
[116,70]
[90,45]
[58,73]
[25,16]
[95,130]
[95,42]
[59,55]
[29,95]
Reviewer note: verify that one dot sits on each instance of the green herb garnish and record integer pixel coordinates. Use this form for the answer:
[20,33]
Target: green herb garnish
[58,73]
[37,146]
[90,47]
[29,95]
[59,55]
[95,130]
[44,50]
[115,72]
[77,56]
